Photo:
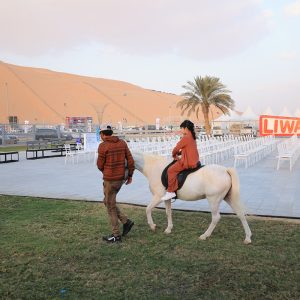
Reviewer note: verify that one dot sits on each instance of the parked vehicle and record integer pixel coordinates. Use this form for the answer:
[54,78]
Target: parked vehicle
[66,136]
[248,130]
[43,134]
[149,127]
[235,129]
[217,131]
[10,139]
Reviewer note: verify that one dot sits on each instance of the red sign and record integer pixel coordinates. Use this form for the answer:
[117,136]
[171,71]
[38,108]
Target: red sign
[70,121]
[279,126]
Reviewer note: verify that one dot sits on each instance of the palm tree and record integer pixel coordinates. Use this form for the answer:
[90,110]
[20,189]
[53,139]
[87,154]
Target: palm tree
[202,93]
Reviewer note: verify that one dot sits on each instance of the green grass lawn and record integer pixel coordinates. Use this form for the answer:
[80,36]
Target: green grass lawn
[13,148]
[52,249]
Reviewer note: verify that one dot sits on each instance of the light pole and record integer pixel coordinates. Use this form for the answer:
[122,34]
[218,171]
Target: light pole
[99,112]
[65,110]
[170,116]
[7,102]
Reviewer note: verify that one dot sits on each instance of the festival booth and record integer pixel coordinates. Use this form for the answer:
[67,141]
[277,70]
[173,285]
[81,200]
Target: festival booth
[236,122]
[250,117]
[228,123]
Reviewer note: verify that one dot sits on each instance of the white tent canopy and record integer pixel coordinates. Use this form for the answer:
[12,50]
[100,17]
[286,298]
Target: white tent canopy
[268,111]
[297,112]
[249,115]
[233,116]
[285,112]
[223,118]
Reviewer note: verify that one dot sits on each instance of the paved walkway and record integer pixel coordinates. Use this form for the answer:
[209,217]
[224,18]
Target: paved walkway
[264,190]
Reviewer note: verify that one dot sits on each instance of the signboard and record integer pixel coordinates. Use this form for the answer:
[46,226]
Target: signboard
[91,141]
[75,121]
[279,126]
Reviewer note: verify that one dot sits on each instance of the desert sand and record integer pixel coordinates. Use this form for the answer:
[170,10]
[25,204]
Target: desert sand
[42,96]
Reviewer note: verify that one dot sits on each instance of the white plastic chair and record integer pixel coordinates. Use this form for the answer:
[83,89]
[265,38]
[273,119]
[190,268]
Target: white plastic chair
[288,150]
[81,152]
[69,153]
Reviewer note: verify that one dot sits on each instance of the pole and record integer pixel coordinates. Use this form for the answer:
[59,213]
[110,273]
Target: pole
[7,112]
[7,102]
[65,110]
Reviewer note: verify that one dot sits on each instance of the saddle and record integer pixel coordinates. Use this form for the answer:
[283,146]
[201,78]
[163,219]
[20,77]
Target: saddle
[181,176]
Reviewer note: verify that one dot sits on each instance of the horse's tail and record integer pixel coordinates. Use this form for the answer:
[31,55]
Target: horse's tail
[233,195]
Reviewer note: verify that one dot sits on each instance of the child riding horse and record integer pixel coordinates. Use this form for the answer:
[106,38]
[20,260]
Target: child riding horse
[187,148]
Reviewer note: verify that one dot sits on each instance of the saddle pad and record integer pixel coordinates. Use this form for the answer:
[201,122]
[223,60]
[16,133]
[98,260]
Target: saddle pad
[181,176]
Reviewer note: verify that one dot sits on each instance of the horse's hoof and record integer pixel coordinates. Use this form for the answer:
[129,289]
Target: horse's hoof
[247,241]
[153,227]
[167,231]
[202,237]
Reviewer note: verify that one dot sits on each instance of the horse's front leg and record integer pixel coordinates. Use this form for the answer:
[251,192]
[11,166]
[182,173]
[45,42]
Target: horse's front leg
[169,216]
[214,203]
[154,202]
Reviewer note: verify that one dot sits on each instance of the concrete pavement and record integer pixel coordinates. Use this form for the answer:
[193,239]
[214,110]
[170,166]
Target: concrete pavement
[264,190]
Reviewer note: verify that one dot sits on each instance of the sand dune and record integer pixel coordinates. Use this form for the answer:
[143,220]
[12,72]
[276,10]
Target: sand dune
[44,96]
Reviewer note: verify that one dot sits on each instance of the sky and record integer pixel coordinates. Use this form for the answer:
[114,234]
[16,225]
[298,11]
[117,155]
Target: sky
[253,46]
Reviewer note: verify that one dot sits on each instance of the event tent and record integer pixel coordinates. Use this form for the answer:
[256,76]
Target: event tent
[233,116]
[285,112]
[268,111]
[249,115]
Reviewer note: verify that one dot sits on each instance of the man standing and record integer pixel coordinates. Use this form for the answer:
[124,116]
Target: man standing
[112,156]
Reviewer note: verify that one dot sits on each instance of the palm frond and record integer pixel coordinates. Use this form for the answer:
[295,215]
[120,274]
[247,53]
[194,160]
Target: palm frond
[203,92]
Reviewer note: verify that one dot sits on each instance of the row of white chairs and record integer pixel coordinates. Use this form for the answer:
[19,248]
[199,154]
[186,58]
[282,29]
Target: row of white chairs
[247,150]
[226,137]
[213,150]
[160,138]
[202,138]
[78,153]
[252,151]
[288,150]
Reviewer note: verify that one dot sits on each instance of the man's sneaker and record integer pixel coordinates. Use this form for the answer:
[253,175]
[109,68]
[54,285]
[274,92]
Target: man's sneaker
[127,227]
[168,196]
[112,239]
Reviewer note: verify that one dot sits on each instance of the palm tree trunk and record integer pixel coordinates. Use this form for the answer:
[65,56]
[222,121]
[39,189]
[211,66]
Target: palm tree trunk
[205,111]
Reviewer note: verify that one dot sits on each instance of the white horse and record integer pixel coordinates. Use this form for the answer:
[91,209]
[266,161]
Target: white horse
[213,182]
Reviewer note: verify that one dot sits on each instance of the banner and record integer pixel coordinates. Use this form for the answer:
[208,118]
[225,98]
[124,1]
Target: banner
[91,141]
[279,126]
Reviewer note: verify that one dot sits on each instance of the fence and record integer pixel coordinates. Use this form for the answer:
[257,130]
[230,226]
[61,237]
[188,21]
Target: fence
[22,133]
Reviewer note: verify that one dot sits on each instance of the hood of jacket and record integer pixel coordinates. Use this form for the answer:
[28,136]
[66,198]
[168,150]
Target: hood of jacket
[111,139]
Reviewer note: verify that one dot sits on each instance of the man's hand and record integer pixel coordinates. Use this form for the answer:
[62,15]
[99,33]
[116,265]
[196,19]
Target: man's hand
[128,181]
